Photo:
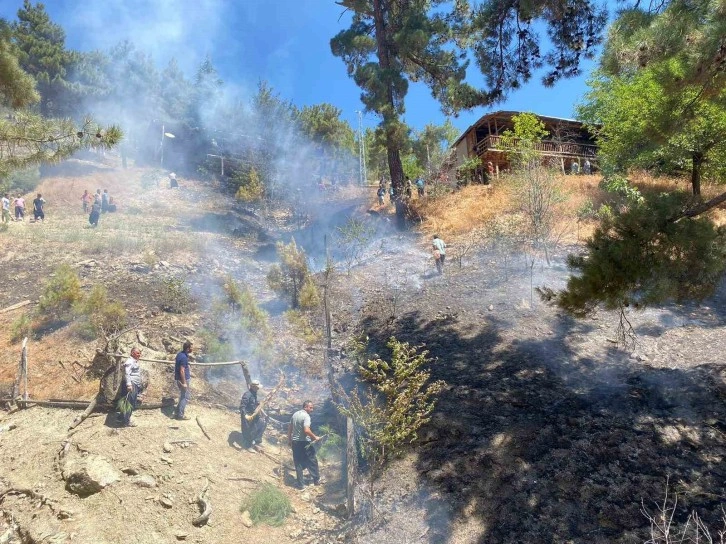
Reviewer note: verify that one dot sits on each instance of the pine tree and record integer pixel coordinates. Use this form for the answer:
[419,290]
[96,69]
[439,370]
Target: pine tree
[42,53]
[393,42]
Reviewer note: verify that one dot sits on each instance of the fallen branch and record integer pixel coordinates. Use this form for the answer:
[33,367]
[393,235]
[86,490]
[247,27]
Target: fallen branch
[203,503]
[187,441]
[199,422]
[243,479]
[15,306]
[88,411]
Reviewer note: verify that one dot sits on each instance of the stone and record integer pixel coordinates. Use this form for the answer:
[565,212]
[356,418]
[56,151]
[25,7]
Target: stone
[167,447]
[166,460]
[247,519]
[144,480]
[491,307]
[130,471]
[166,502]
[181,536]
[85,476]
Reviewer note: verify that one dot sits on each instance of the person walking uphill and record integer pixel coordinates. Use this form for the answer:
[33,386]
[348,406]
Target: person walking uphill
[301,439]
[132,380]
[6,209]
[439,253]
[253,425]
[183,375]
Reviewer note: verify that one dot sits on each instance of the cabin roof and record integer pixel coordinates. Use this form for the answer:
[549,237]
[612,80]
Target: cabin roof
[508,115]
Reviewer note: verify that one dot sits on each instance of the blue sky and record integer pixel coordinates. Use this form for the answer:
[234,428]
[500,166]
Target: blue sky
[285,42]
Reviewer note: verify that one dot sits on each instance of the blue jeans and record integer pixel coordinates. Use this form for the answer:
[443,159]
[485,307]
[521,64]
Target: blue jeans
[183,399]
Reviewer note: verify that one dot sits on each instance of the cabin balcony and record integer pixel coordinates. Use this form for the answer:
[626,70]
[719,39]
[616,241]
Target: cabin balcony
[492,143]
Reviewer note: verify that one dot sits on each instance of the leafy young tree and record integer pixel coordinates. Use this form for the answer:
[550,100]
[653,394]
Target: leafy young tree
[392,42]
[292,276]
[431,144]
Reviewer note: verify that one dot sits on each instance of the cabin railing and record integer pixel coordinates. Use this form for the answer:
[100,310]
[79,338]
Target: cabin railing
[546,147]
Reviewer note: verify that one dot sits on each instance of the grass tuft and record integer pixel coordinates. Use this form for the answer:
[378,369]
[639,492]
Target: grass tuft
[268,505]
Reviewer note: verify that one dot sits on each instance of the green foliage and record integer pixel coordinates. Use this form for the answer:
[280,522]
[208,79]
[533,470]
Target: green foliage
[399,403]
[292,277]
[60,293]
[353,239]
[101,317]
[520,143]
[268,505]
[21,181]
[249,185]
[20,327]
[468,168]
[333,446]
[175,295]
[302,327]
[243,302]
[216,348]
[412,168]
[620,186]
[642,256]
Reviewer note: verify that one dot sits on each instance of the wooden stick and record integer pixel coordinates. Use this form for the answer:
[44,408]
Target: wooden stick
[15,306]
[79,419]
[24,362]
[268,397]
[204,504]
[199,422]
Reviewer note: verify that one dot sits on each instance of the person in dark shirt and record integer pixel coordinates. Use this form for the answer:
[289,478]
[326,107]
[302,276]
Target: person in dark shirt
[38,203]
[253,426]
[183,375]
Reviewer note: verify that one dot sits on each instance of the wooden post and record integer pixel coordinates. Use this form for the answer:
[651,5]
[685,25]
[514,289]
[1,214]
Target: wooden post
[24,363]
[351,465]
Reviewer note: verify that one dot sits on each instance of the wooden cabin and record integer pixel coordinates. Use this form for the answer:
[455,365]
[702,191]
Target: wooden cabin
[568,141]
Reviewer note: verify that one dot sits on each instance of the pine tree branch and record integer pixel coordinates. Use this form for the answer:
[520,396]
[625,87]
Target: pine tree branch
[701,208]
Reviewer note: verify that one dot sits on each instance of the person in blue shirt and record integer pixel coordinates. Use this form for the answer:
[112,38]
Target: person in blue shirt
[183,375]
[420,186]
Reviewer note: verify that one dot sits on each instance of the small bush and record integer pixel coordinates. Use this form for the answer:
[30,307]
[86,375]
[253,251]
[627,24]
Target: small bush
[250,187]
[20,328]
[302,327]
[252,317]
[292,276]
[268,505]
[61,292]
[333,445]
[102,316]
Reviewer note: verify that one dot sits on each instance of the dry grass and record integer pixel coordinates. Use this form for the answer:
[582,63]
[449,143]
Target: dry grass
[473,207]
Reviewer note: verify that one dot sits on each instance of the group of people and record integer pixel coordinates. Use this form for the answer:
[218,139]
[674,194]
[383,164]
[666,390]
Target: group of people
[252,415]
[97,203]
[19,204]
[586,167]
[408,187]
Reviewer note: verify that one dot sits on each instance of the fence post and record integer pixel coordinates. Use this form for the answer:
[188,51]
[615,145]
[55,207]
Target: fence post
[24,363]
[351,463]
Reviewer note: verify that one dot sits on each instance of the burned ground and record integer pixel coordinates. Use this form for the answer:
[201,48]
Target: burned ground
[547,432]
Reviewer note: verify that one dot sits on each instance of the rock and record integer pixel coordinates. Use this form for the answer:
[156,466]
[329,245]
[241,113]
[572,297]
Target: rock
[166,502]
[85,476]
[491,307]
[166,460]
[145,480]
[305,496]
[130,471]
[181,536]
[164,264]
[65,514]
[167,447]
[247,519]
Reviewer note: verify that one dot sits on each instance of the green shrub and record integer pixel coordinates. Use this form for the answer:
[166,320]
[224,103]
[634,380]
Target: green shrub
[250,187]
[302,327]
[268,505]
[61,292]
[101,316]
[252,317]
[333,445]
[292,276]
[20,328]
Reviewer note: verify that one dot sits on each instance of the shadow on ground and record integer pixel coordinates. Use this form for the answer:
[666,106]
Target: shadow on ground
[538,445]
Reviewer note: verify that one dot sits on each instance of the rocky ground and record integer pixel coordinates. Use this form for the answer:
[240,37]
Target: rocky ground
[548,430]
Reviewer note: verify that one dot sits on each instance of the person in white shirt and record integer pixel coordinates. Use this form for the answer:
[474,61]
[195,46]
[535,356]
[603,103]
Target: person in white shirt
[6,208]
